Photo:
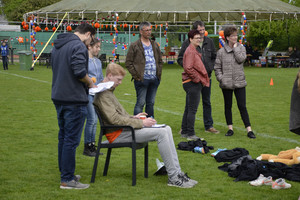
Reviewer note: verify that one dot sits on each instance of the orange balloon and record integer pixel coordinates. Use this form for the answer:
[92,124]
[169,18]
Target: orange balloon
[69,28]
[97,25]
[221,33]
[46,29]
[206,33]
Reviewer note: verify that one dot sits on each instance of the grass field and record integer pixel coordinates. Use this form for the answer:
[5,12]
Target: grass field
[28,144]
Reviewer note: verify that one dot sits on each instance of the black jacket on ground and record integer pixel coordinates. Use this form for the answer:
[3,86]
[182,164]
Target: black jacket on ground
[69,60]
[247,169]
[231,155]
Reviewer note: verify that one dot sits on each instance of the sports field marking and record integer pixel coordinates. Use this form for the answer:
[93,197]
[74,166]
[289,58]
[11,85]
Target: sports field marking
[25,77]
[172,112]
[220,124]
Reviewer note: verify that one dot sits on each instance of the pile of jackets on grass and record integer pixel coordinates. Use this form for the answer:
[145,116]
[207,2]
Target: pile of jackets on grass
[244,168]
[190,145]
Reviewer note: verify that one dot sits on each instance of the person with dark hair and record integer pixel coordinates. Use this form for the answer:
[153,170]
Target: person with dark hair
[144,63]
[4,54]
[208,55]
[70,83]
[295,107]
[229,72]
[113,113]
[94,72]
[194,78]
[249,52]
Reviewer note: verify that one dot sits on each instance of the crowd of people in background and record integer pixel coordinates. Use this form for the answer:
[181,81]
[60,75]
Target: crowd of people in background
[76,69]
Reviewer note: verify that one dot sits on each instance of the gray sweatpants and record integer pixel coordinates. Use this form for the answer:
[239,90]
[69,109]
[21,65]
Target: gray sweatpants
[165,144]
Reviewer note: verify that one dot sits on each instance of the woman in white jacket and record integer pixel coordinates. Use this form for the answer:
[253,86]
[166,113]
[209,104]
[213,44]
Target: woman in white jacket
[229,72]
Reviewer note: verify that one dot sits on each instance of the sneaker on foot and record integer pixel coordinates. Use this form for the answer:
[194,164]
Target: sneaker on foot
[212,130]
[280,184]
[216,152]
[73,185]
[229,133]
[180,181]
[90,150]
[192,137]
[77,178]
[251,135]
[262,180]
[194,182]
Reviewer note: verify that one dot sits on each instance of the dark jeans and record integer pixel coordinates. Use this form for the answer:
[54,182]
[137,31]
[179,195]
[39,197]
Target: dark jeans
[207,118]
[192,100]
[5,62]
[70,121]
[145,93]
[240,95]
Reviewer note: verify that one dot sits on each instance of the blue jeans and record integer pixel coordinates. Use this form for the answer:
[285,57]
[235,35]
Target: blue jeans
[207,118]
[91,122]
[70,121]
[192,100]
[145,93]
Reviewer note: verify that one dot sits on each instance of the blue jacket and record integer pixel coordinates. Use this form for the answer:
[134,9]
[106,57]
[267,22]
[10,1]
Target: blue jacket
[69,60]
[4,50]
[95,69]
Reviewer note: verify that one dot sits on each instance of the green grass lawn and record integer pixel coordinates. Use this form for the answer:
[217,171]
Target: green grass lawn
[29,131]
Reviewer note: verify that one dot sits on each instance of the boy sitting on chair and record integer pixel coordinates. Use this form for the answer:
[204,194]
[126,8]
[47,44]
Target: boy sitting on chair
[113,113]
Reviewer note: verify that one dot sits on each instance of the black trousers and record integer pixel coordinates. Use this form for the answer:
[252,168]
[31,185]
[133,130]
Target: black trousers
[5,62]
[240,95]
[193,91]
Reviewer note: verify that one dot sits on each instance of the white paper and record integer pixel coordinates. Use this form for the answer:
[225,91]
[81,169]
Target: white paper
[158,125]
[101,87]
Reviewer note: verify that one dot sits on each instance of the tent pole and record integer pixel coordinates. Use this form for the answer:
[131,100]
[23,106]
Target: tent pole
[129,36]
[215,27]
[160,37]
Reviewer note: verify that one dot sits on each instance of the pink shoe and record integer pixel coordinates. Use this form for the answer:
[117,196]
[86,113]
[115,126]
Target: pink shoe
[280,184]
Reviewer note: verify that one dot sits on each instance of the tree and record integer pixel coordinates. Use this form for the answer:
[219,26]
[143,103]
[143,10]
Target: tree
[15,9]
[283,33]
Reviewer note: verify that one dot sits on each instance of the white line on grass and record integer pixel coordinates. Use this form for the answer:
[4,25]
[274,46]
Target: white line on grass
[34,79]
[172,112]
[221,124]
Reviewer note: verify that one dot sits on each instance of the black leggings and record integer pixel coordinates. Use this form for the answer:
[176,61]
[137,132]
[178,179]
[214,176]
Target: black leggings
[240,95]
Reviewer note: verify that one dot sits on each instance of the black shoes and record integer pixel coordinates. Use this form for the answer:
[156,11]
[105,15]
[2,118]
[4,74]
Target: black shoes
[229,133]
[90,149]
[251,135]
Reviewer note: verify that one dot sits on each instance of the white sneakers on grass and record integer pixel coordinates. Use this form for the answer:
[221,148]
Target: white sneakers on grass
[276,185]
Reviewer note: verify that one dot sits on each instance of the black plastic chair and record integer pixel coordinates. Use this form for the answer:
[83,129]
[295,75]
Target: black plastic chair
[103,60]
[133,145]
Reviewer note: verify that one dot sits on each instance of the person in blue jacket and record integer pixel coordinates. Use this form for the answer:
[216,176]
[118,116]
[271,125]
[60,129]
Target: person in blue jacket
[4,53]
[70,84]
[95,71]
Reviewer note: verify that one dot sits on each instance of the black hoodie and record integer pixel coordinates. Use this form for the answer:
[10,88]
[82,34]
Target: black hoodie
[69,60]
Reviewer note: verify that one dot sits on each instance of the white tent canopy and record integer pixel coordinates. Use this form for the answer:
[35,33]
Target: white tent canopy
[172,11]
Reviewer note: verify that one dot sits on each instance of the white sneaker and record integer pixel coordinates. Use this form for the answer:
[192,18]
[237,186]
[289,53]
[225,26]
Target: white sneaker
[73,184]
[262,180]
[280,184]
[180,181]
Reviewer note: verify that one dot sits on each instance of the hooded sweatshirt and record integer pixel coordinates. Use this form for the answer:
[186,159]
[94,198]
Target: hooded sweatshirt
[69,60]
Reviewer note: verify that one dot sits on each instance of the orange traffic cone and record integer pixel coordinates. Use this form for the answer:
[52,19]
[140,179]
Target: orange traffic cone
[271,82]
